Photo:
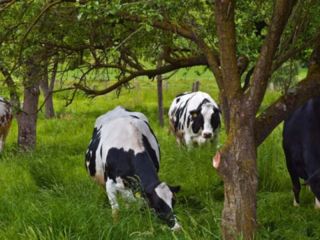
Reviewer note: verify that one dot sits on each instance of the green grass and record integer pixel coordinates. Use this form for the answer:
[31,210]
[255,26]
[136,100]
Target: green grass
[47,194]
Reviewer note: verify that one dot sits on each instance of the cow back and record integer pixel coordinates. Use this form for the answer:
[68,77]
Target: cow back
[117,140]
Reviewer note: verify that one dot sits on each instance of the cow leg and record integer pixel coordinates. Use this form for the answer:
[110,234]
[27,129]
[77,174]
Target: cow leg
[112,196]
[317,203]
[296,187]
[187,139]
[125,192]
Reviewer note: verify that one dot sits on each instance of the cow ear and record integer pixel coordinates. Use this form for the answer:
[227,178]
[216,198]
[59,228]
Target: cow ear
[175,189]
[217,110]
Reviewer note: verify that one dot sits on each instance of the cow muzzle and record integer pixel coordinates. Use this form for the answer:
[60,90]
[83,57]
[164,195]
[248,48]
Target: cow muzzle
[207,135]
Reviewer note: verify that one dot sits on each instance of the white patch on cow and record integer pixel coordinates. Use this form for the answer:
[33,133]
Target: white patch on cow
[112,193]
[118,112]
[317,204]
[164,192]
[126,193]
[295,203]
[207,111]
[176,226]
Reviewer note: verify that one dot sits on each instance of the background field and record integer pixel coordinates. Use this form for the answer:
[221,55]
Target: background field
[47,194]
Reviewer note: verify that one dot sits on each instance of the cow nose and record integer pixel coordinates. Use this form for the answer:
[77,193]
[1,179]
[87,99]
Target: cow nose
[207,135]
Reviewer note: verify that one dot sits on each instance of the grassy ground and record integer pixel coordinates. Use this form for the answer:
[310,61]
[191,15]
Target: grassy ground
[47,194]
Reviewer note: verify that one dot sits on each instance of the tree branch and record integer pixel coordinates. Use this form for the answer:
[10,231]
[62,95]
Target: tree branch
[262,71]
[181,63]
[224,12]
[293,51]
[285,105]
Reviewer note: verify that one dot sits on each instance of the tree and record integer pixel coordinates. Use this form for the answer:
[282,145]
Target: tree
[224,36]
[291,29]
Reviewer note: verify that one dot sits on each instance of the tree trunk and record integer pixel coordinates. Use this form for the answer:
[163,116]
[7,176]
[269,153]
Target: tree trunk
[239,172]
[27,118]
[48,88]
[160,96]
[240,187]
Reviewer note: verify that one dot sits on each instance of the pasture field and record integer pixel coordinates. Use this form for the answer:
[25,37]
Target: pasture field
[47,194]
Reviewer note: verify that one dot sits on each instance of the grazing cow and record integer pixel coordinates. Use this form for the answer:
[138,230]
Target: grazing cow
[301,143]
[194,118]
[5,121]
[124,155]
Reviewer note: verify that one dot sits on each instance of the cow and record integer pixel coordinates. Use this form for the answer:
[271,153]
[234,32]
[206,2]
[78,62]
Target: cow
[5,120]
[194,117]
[301,144]
[124,156]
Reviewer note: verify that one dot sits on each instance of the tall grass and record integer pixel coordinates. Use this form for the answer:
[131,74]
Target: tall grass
[47,194]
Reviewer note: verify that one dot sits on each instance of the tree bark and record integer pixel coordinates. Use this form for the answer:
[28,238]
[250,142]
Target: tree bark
[48,88]
[27,119]
[239,173]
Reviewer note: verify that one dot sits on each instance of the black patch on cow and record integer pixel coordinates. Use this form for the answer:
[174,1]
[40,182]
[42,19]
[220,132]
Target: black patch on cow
[101,152]
[134,116]
[188,121]
[179,113]
[150,151]
[121,163]
[215,119]
[91,152]
[197,120]
[301,141]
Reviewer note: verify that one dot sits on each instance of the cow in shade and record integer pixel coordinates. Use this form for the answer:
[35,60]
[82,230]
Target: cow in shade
[301,143]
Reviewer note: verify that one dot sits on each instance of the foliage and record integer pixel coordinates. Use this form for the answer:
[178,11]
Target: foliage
[47,194]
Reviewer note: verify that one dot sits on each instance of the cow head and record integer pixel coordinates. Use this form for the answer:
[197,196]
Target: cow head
[204,121]
[162,200]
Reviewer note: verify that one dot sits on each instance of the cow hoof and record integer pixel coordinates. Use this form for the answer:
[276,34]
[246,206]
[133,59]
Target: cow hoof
[317,204]
[295,203]
[115,215]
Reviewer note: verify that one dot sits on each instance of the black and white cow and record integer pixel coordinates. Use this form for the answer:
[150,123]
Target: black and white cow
[301,143]
[5,121]
[194,118]
[124,155]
